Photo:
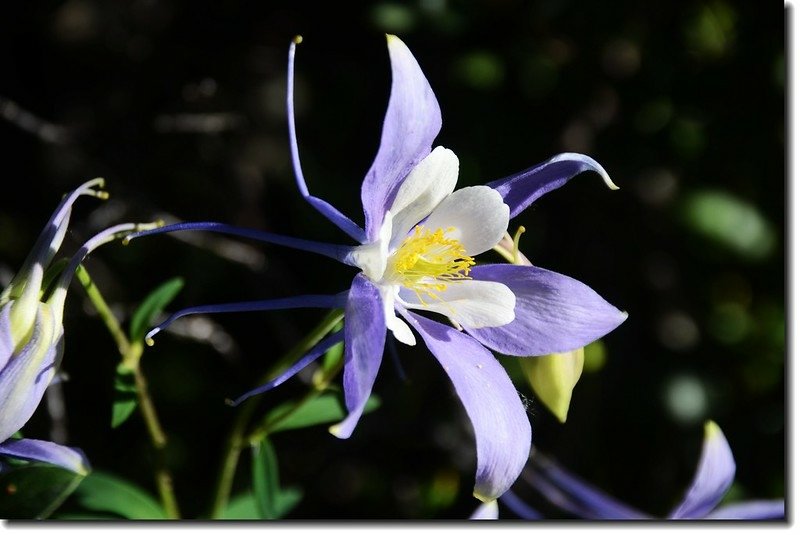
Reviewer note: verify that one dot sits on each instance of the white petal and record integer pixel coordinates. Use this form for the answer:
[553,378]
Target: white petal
[371,258]
[470,303]
[402,332]
[433,179]
[478,215]
[486,511]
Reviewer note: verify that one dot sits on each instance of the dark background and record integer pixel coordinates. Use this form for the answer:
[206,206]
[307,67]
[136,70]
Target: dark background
[180,106]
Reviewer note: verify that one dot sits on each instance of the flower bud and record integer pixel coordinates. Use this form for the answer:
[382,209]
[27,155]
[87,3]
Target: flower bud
[32,333]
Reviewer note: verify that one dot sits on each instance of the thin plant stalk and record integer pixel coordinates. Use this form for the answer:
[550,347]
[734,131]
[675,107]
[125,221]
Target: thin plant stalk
[131,354]
[238,439]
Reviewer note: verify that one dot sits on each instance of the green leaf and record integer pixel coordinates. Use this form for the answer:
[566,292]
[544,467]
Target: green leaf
[326,408]
[265,478]
[244,506]
[105,492]
[286,500]
[125,399]
[85,516]
[330,360]
[332,356]
[35,490]
[152,306]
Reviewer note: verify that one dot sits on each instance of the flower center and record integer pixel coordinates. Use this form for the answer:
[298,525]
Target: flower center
[427,261]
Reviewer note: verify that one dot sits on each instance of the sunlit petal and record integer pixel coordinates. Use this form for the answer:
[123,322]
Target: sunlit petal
[433,179]
[553,314]
[502,429]
[477,216]
[469,303]
[412,121]
[520,190]
[364,338]
[751,510]
[713,477]
[48,452]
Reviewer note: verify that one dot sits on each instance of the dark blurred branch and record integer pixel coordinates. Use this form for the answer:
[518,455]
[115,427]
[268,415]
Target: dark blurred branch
[57,411]
[221,246]
[27,121]
[202,123]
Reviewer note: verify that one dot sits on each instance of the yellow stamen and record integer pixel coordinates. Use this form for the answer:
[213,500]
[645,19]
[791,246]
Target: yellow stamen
[427,261]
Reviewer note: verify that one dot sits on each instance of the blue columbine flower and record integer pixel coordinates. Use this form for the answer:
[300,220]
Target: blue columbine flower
[713,478]
[416,252]
[32,333]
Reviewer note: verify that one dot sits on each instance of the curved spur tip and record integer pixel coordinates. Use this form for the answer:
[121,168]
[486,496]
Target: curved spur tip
[148,338]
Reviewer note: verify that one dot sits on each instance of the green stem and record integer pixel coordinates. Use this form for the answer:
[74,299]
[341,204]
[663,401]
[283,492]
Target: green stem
[131,354]
[159,440]
[237,439]
[103,310]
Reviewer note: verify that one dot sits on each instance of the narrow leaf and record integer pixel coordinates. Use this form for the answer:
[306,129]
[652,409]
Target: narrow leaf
[334,354]
[34,491]
[324,409]
[85,516]
[125,399]
[152,306]
[287,500]
[244,506]
[265,478]
[101,491]
[330,360]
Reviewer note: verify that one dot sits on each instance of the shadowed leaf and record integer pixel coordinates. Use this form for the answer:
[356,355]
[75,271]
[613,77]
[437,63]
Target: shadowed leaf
[152,306]
[101,491]
[35,490]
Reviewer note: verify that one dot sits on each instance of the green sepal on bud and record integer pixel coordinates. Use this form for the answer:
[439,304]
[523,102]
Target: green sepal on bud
[553,377]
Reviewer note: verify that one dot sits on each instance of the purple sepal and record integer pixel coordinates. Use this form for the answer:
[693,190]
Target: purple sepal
[300,301]
[553,313]
[323,207]
[364,339]
[29,449]
[502,429]
[751,510]
[313,354]
[712,479]
[518,507]
[413,120]
[337,252]
[576,496]
[521,189]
